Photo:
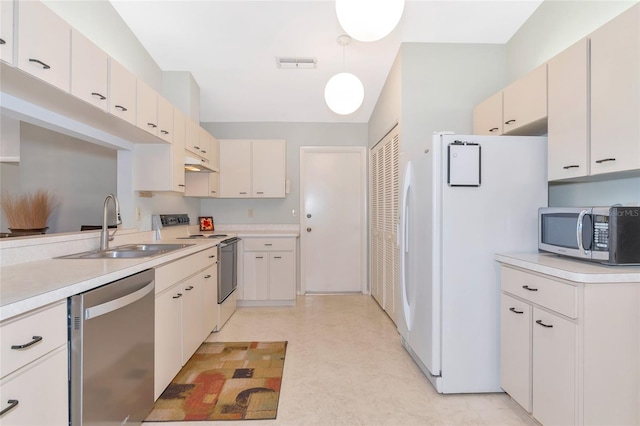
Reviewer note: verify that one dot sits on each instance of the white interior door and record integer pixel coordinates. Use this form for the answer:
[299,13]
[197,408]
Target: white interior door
[333,219]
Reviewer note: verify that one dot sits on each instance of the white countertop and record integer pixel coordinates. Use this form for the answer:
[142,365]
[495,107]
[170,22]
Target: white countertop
[284,230]
[570,269]
[31,285]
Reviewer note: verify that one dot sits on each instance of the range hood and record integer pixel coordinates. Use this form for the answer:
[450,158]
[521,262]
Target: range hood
[193,164]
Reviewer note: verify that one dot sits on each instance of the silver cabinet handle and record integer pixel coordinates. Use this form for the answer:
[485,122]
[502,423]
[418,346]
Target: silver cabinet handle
[35,340]
[12,404]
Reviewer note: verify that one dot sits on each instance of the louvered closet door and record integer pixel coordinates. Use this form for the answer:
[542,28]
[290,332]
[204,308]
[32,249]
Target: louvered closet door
[376,246]
[384,220]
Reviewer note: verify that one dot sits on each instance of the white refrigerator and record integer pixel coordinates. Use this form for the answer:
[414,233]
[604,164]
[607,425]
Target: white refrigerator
[463,199]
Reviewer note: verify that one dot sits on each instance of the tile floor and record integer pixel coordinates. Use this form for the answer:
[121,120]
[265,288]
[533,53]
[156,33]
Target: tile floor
[345,366]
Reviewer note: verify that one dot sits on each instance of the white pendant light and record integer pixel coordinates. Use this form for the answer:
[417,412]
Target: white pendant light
[369,20]
[344,91]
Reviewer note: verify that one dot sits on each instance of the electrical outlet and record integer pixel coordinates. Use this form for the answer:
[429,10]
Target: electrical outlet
[250,213]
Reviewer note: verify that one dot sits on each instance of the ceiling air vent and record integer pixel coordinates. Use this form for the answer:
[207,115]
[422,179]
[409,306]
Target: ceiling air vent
[297,63]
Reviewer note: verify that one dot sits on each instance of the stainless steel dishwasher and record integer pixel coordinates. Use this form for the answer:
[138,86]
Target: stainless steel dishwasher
[111,331]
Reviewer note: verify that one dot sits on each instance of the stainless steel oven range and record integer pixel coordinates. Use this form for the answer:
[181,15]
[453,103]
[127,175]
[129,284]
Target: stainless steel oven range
[227,268]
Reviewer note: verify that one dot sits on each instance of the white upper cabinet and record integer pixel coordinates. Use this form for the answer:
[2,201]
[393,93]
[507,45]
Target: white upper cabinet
[122,92]
[487,116]
[146,107]
[204,145]
[89,71]
[235,168]
[525,104]
[268,168]
[44,44]
[165,119]
[6,32]
[252,168]
[568,123]
[615,94]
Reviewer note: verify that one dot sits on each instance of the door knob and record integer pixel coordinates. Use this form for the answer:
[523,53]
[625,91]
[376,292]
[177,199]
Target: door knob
[308,229]
[308,216]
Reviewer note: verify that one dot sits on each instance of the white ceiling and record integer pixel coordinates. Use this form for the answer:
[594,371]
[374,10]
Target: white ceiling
[230,47]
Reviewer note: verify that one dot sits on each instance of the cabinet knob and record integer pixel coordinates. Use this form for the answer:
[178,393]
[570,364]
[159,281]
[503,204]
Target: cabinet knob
[509,122]
[493,129]
[189,288]
[98,95]
[177,296]
[121,108]
[2,41]
[572,166]
[515,311]
[153,126]
[526,287]
[308,215]
[164,132]
[308,229]
[207,276]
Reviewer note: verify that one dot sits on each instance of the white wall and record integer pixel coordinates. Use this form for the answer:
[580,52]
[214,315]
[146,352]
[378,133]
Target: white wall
[77,173]
[553,27]
[278,210]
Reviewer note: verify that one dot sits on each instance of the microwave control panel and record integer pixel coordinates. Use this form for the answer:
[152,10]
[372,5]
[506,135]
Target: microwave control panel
[600,233]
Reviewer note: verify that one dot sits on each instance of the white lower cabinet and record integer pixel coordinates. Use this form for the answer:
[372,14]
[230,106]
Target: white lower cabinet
[269,270]
[38,392]
[554,369]
[34,382]
[184,304]
[570,350]
[210,298]
[515,351]
[168,338]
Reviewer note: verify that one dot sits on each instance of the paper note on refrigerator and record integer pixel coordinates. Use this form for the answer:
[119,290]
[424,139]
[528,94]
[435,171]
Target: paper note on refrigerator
[464,164]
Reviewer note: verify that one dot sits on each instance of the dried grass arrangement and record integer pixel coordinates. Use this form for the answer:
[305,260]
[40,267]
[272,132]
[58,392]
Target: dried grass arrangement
[28,212]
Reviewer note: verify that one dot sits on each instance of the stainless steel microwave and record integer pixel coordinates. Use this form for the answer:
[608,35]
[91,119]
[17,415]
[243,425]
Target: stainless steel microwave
[608,235]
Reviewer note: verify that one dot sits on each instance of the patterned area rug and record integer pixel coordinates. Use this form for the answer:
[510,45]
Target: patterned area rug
[225,381]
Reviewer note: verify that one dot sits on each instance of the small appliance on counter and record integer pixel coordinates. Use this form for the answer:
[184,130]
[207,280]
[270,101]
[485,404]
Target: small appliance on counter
[609,235]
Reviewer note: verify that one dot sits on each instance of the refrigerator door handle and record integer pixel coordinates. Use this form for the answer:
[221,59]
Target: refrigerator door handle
[404,247]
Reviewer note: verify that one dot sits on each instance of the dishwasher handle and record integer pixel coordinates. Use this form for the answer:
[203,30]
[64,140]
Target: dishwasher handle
[112,305]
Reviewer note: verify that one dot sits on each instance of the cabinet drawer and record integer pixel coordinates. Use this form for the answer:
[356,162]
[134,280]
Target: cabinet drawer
[49,323]
[41,392]
[176,271]
[546,292]
[269,244]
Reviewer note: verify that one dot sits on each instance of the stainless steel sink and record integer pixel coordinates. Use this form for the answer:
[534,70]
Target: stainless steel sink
[130,251]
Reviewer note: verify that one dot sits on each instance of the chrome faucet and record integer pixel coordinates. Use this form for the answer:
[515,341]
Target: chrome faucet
[104,235]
